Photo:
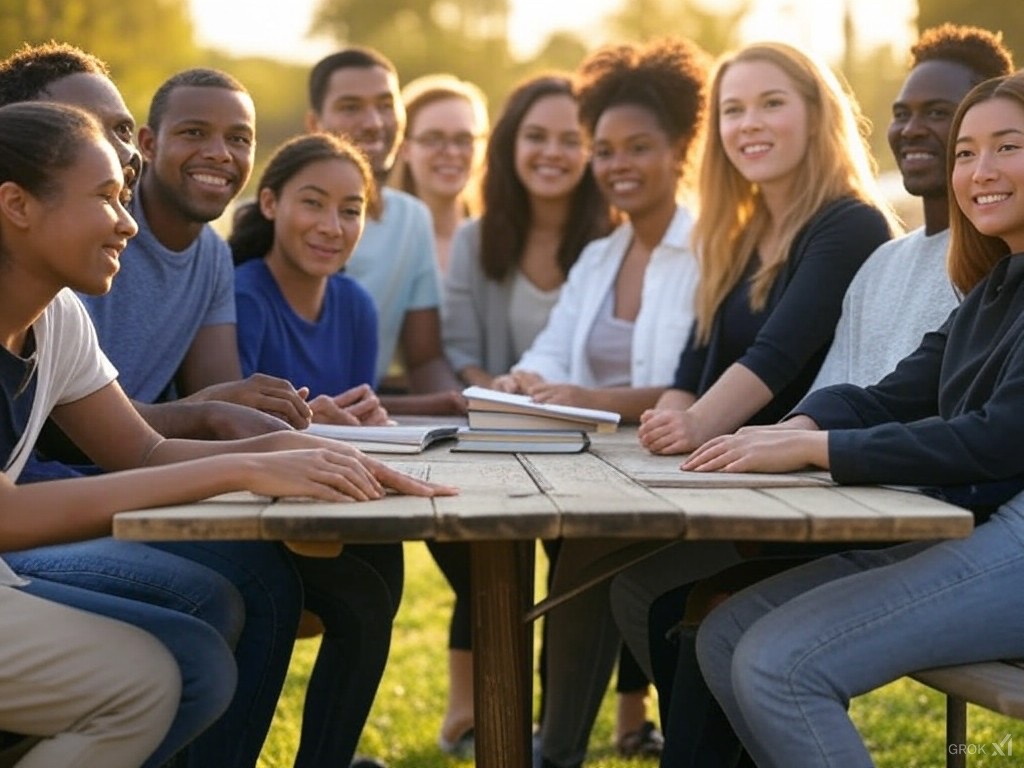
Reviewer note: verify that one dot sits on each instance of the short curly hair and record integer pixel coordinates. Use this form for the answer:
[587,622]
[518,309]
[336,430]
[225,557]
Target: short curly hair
[980,50]
[667,76]
[28,73]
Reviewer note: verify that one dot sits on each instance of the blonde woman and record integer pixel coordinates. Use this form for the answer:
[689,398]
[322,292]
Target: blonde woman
[440,158]
[789,212]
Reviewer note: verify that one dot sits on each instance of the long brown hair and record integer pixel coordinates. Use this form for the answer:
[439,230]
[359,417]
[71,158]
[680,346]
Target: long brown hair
[733,216]
[971,253]
[506,219]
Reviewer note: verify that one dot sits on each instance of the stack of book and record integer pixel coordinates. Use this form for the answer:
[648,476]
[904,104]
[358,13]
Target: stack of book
[515,423]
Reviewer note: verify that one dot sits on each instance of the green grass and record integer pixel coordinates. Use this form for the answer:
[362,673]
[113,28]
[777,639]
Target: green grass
[903,723]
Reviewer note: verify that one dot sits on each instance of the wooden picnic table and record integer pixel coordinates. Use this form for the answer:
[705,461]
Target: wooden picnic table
[507,501]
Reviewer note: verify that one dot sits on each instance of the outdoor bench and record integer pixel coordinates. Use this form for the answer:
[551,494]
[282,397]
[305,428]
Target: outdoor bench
[995,685]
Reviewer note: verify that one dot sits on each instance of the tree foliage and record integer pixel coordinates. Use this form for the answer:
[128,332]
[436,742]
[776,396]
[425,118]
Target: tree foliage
[143,41]
[714,30]
[468,38]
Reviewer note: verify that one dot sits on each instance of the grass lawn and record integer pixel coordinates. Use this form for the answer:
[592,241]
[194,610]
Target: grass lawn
[903,722]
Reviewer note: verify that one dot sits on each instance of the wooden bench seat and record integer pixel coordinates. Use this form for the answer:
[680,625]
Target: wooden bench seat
[995,685]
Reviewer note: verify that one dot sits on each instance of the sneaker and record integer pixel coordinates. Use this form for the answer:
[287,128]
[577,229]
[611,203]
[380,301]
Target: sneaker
[463,748]
[366,762]
[645,742]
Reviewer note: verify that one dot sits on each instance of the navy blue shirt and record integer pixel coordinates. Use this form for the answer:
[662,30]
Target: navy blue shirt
[784,344]
[951,415]
[18,393]
[331,355]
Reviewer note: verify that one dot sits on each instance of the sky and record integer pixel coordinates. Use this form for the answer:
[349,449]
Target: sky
[277,28]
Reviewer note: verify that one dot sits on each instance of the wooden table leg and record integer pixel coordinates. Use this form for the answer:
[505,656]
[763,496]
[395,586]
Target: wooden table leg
[502,579]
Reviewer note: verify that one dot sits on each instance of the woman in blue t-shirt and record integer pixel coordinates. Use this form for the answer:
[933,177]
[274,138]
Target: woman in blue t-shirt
[301,319]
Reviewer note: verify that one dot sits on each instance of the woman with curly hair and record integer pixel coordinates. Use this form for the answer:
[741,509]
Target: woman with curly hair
[613,339]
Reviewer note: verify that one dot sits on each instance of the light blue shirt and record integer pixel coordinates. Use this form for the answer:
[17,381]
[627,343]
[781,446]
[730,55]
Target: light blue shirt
[395,262]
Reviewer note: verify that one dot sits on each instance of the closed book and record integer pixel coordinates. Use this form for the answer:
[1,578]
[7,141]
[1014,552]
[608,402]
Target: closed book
[394,439]
[489,408]
[521,440]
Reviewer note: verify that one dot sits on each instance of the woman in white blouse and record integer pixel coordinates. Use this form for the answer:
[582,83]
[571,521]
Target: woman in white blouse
[614,337]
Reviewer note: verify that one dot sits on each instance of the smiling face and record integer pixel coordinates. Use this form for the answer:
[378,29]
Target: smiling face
[364,105]
[443,147]
[318,219]
[550,157]
[988,170]
[763,124]
[922,115]
[202,154]
[635,163]
[83,228]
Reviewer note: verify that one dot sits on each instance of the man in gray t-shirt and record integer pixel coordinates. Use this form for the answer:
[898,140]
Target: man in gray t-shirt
[902,291]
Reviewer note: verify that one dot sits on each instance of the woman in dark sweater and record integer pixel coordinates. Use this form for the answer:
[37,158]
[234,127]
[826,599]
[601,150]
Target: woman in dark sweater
[785,656]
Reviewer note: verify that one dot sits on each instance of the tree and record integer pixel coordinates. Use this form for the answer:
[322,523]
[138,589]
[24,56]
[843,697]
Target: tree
[714,30]
[997,15]
[142,41]
[424,36]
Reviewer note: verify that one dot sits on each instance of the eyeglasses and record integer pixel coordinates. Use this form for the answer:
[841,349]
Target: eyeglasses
[436,141]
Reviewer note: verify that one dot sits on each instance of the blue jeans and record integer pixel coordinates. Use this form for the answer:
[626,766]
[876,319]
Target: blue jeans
[265,575]
[785,656]
[203,656]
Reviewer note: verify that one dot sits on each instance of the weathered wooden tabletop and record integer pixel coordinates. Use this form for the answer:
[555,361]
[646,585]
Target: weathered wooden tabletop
[507,501]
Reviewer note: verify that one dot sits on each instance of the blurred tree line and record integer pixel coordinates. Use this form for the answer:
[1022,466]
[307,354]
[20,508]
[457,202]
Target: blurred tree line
[145,41]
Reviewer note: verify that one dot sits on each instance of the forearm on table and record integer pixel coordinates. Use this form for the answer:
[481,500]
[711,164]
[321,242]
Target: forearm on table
[44,513]
[730,402]
[176,418]
[675,400]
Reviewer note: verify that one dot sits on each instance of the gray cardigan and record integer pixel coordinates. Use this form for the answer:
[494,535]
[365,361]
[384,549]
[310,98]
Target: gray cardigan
[474,309]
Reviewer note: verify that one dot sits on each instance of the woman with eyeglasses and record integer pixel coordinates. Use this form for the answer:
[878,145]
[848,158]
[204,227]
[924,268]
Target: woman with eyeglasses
[440,158]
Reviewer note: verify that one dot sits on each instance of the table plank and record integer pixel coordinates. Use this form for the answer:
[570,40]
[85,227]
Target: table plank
[498,499]
[913,515]
[393,518]
[596,500]
[625,453]
[743,514]
[232,519]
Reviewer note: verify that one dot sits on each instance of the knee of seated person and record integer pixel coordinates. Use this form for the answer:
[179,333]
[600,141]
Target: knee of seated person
[225,612]
[761,661]
[146,690]
[209,681]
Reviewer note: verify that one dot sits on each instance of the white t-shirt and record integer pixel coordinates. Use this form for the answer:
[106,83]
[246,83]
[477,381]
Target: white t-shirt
[69,367]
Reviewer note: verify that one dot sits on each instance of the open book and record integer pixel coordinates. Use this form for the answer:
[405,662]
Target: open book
[490,409]
[396,439]
[521,440]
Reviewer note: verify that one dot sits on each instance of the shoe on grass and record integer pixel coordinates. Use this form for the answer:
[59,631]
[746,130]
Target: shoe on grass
[463,748]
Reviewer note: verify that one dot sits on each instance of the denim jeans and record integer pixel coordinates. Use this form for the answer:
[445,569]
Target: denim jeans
[204,658]
[785,656]
[264,574]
